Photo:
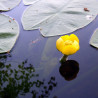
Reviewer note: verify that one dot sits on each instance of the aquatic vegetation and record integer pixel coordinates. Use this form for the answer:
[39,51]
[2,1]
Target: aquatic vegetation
[9,32]
[6,5]
[68,45]
[94,39]
[58,17]
[18,80]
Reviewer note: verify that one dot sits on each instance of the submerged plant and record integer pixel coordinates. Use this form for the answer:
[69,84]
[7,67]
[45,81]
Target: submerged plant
[67,45]
[18,80]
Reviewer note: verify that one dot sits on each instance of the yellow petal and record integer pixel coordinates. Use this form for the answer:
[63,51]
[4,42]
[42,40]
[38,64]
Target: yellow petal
[74,37]
[68,45]
[68,50]
[59,44]
[65,37]
[76,45]
[71,49]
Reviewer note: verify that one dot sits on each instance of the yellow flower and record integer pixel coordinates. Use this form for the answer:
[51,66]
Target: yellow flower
[68,44]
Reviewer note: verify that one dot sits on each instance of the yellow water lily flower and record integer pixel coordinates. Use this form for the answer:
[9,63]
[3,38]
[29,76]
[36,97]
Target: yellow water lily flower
[68,44]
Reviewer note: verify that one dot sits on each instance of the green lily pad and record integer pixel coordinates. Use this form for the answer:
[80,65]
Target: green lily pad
[6,5]
[9,32]
[94,39]
[28,2]
[58,17]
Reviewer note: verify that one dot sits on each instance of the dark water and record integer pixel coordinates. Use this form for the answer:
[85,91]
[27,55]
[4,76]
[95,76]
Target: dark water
[32,68]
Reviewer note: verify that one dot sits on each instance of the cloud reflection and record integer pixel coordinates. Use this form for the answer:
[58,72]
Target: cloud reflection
[69,69]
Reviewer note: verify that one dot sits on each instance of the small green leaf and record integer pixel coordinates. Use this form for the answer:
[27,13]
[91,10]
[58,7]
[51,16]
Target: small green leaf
[94,39]
[8,36]
[11,70]
[6,5]
[28,2]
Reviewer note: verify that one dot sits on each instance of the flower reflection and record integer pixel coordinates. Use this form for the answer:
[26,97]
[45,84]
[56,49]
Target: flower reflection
[69,69]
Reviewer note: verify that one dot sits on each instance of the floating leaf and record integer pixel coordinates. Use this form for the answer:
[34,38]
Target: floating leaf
[9,31]
[6,5]
[94,39]
[28,2]
[58,17]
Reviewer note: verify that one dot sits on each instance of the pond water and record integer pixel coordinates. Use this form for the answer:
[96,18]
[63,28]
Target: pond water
[32,68]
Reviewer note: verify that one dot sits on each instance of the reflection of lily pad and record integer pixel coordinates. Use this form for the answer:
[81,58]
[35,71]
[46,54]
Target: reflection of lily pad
[9,31]
[6,5]
[48,59]
[57,17]
[94,39]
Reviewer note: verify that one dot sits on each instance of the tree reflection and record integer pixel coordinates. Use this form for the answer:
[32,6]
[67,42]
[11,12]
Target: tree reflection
[69,69]
[15,82]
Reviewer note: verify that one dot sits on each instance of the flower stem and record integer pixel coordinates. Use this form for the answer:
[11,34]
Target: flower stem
[63,59]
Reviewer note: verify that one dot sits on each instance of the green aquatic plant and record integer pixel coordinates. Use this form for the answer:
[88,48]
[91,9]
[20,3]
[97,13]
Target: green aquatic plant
[67,45]
[9,32]
[94,39]
[21,80]
[6,5]
[58,17]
